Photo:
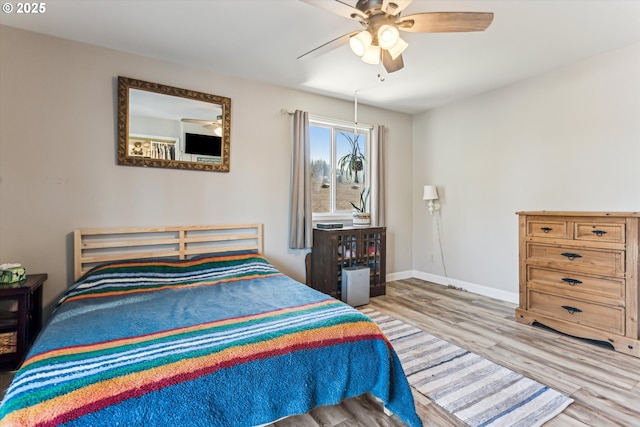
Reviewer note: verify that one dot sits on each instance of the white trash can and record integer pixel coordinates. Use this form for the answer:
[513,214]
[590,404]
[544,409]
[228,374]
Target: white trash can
[355,285]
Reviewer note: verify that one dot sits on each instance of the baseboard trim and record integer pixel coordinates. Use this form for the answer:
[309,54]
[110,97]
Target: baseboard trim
[400,275]
[486,291]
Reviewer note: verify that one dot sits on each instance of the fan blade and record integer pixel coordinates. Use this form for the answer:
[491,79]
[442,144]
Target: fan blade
[339,8]
[197,121]
[328,46]
[390,64]
[445,22]
[394,7]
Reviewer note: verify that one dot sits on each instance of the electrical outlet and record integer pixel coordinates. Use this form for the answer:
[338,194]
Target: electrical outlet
[432,257]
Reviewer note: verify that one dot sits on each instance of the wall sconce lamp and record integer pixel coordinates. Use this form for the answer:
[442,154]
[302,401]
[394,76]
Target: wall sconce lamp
[431,194]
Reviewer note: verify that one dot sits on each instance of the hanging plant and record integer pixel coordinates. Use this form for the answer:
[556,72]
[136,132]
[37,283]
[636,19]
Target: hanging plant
[353,162]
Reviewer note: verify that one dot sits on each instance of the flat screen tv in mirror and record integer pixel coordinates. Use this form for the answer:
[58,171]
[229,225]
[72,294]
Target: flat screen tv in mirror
[207,145]
[168,127]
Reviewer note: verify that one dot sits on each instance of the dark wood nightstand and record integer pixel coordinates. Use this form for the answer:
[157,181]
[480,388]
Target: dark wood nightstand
[20,318]
[338,248]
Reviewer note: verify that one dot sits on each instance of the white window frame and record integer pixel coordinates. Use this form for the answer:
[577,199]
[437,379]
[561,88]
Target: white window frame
[337,126]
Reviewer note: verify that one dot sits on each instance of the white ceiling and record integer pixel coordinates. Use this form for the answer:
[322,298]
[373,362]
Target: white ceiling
[261,39]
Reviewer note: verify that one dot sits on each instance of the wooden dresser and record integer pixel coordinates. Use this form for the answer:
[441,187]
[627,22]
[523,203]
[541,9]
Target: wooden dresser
[579,275]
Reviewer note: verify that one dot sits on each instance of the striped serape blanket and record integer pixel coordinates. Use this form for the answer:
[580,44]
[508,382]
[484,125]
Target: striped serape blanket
[215,341]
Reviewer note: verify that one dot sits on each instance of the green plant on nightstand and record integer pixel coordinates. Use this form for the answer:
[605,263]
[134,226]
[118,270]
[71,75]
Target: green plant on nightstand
[360,215]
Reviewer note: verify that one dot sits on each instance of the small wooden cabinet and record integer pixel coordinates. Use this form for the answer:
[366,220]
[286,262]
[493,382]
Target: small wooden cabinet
[20,318]
[335,249]
[579,275]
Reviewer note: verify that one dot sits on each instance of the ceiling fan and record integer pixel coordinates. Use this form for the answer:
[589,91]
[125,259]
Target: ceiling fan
[209,124]
[380,40]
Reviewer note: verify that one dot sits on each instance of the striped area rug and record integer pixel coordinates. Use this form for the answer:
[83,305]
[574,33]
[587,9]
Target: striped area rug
[477,391]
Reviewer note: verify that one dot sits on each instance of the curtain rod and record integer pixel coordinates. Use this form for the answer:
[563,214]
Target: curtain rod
[330,120]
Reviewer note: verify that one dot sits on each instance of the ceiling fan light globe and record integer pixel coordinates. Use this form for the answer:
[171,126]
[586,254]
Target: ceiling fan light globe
[217,131]
[388,36]
[360,42]
[399,47]
[372,55]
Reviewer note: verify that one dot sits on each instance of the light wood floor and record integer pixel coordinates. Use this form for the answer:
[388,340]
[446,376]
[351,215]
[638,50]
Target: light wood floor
[604,384]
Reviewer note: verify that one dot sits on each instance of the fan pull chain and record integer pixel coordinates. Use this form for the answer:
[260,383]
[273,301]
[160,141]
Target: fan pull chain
[381,70]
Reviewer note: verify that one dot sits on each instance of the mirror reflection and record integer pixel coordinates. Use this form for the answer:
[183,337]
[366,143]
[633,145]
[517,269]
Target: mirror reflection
[164,126]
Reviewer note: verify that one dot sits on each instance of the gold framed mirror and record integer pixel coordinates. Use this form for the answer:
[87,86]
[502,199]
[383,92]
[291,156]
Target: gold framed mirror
[169,127]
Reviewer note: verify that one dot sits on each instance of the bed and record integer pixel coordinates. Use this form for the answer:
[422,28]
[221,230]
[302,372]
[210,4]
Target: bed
[193,326]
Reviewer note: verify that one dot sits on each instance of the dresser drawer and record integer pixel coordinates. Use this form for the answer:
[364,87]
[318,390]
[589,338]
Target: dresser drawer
[576,285]
[547,228]
[602,262]
[599,232]
[594,315]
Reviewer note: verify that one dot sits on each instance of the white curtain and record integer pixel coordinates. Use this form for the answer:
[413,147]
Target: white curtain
[300,217]
[377,177]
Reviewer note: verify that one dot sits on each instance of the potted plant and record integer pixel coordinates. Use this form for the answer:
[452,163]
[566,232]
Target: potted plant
[360,214]
[353,162]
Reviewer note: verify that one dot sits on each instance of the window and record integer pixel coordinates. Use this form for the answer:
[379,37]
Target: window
[339,167]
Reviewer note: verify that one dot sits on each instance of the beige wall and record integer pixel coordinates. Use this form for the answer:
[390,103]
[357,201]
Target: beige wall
[58,166]
[566,140]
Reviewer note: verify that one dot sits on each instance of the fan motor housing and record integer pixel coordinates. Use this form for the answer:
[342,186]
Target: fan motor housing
[369,6]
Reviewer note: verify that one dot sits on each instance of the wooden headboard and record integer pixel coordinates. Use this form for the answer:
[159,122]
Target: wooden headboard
[93,246]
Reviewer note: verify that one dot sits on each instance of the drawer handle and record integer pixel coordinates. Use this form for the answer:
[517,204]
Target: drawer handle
[546,229]
[571,310]
[599,233]
[571,256]
[571,281]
